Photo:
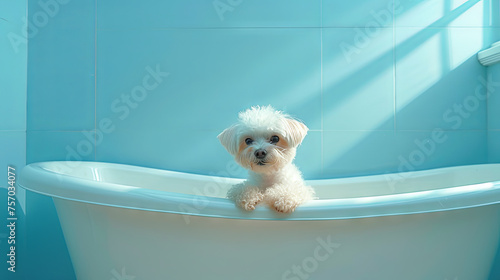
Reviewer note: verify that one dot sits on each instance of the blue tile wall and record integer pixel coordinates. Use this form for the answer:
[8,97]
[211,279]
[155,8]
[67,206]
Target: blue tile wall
[13,57]
[364,13]
[152,83]
[494,97]
[13,47]
[344,70]
[117,14]
[198,72]
[352,153]
[358,83]
[493,91]
[352,74]
[436,69]
[60,145]
[494,146]
[61,70]
[447,13]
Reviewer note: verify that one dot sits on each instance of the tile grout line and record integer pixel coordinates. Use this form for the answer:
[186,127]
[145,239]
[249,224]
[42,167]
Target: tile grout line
[284,27]
[321,89]
[95,80]
[12,130]
[394,66]
[488,157]
[26,96]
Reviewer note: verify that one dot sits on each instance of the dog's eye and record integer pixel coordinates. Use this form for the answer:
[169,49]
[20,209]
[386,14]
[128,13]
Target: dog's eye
[248,141]
[274,139]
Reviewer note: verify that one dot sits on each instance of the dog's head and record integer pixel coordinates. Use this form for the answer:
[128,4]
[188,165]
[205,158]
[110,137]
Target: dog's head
[263,140]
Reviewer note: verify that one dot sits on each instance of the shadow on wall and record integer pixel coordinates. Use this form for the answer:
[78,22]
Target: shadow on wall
[439,85]
[446,142]
[358,101]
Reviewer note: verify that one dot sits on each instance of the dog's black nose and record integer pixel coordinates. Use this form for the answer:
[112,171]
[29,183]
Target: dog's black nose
[260,153]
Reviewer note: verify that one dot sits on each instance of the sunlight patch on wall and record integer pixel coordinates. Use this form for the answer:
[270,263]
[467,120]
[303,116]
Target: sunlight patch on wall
[442,13]
[473,16]
[362,48]
[456,3]
[422,14]
[368,107]
[464,43]
[424,75]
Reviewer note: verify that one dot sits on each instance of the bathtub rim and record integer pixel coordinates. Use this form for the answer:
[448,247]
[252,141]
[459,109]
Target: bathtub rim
[105,194]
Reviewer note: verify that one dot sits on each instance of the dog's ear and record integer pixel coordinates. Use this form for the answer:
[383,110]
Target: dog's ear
[229,139]
[296,131]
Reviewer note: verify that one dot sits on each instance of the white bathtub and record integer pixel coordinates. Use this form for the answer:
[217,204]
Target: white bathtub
[122,222]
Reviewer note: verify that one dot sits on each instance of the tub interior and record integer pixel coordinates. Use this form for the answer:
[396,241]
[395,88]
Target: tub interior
[147,178]
[407,182]
[211,186]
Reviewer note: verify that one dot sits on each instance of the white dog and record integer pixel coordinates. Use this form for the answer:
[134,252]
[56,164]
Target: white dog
[264,141]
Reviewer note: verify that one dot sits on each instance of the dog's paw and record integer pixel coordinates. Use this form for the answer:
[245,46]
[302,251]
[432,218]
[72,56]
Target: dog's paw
[285,205]
[249,202]
[249,206]
[283,198]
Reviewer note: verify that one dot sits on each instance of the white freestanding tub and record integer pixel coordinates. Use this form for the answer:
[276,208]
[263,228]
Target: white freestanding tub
[128,222]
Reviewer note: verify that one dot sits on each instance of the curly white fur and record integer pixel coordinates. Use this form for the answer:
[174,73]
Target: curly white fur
[264,141]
